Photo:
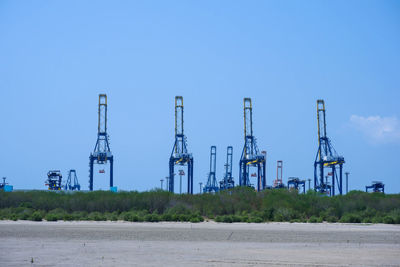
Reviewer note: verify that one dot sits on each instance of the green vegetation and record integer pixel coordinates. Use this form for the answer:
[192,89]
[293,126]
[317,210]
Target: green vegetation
[237,205]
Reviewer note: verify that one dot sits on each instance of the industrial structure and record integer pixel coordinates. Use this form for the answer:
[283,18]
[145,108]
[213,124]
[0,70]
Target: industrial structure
[69,185]
[228,182]
[326,158]
[211,185]
[251,157]
[278,182]
[54,180]
[102,153]
[376,186]
[5,186]
[296,183]
[180,155]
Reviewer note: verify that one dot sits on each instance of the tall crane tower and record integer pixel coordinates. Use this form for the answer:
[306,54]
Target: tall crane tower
[211,185]
[68,184]
[180,155]
[326,158]
[251,157]
[102,152]
[278,182]
[228,181]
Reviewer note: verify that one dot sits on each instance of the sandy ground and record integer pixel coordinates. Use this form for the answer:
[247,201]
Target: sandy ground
[202,244]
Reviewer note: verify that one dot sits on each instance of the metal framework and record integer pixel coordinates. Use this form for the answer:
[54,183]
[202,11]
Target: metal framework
[228,182]
[376,186]
[101,153]
[68,184]
[326,158]
[251,157]
[54,179]
[278,182]
[295,183]
[180,155]
[212,186]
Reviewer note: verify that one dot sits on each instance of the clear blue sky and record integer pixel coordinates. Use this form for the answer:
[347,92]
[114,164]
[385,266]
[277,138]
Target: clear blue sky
[57,56]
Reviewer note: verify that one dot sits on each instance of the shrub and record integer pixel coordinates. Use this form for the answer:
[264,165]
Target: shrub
[68,217]
[184,217]
[388,219]
[256,220]
[219,218]
[236,218]
[313,219]
[36,216]
[377,219]
[166,217]
[50,217]
[96,216]
[194,220]
[366,220]
[227,219]
[350,218]
[331,219]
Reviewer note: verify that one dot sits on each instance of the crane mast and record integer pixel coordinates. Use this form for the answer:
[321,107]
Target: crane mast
[251,157]
[326,158]
[180,155]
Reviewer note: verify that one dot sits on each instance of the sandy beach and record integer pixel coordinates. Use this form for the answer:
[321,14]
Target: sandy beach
[201,244]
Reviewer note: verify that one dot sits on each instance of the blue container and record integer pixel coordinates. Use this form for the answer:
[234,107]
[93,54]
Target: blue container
[8,188]
[114,189]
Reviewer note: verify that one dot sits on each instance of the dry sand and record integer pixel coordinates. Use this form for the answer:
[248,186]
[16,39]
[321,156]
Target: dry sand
[201,244]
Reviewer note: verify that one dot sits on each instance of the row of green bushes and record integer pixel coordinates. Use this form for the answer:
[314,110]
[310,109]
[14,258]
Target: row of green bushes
[22,213]
[240,204]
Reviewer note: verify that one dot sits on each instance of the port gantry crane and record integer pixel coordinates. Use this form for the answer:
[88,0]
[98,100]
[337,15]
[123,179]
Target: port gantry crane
[68,185]
[295,182]
[180,154]
[211,186]
[278,182]
[377,186]
[102,152]
[251,157]
[54,180]
[326,158]
[228,182]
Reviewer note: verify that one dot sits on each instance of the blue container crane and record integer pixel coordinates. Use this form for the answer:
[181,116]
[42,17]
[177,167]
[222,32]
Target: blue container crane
[68,184]
[326,158]
[376,186]
[228,182]
[102,153]
[211,186]
[54,180]
[251,157]
[296,183]
[180,155]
